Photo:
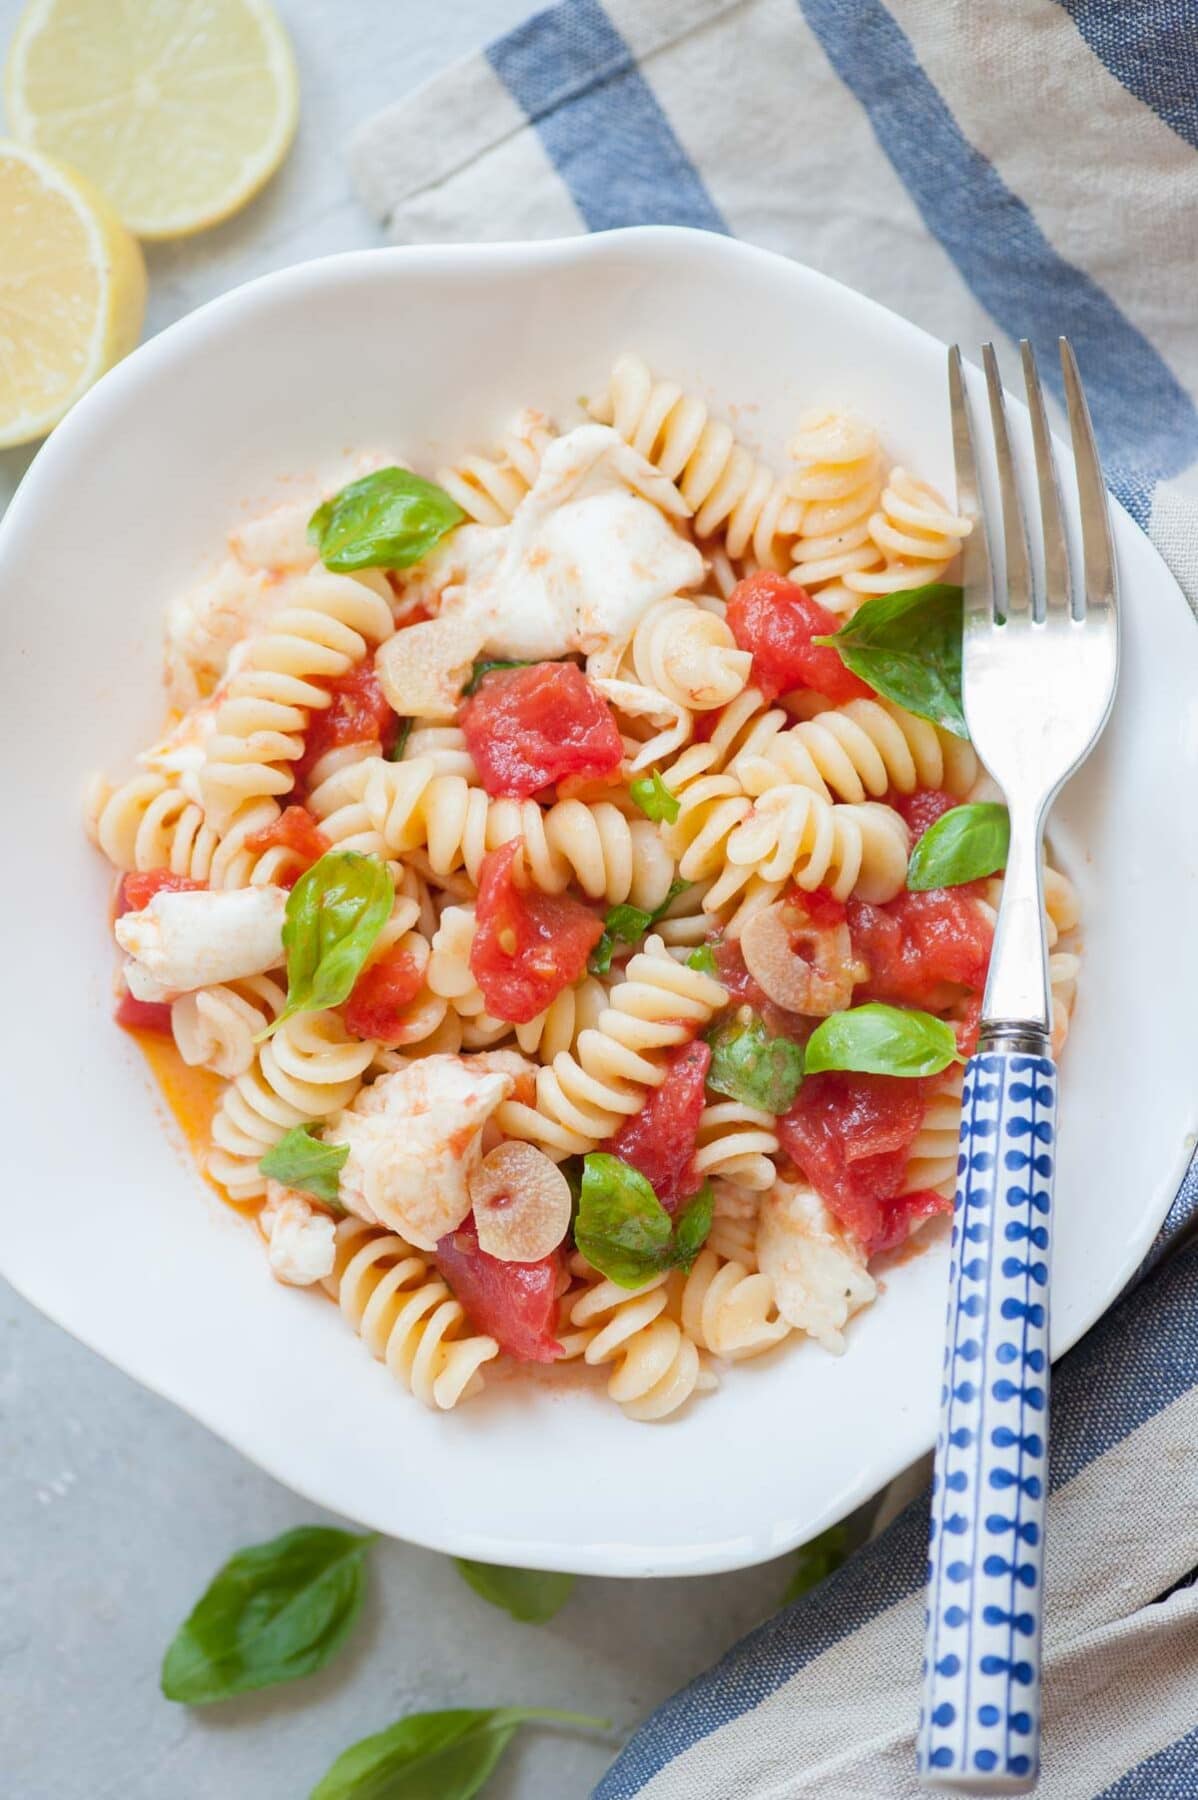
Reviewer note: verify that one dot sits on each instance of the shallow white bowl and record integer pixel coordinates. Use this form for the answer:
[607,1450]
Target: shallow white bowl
[108,1228]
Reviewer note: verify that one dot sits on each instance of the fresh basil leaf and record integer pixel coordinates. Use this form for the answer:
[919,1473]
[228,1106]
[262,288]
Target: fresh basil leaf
[334,913]
[702,959]
[749,1065]
[396,752]
[622,1228]
[882,1040]
[531,1596]
[276,1611]
[907,646]
[386,520]
[627,925]
[816,1561]
[692,1226]
[654,797]
[434,1755]
[301,1161]
[488,668]
[963,845]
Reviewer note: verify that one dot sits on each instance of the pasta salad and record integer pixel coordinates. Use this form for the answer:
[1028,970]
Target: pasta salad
[575,869]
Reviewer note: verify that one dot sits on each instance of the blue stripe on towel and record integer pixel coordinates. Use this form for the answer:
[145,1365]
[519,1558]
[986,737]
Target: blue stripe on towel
[1169,1772]
[1104,1391]
[599,121]
[1146,423]
[1149,47]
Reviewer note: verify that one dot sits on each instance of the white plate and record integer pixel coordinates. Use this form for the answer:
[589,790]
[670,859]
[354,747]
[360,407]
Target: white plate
[106,1225]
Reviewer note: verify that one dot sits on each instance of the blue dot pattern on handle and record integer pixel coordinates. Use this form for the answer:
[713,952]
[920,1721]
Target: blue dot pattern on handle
[981,1701]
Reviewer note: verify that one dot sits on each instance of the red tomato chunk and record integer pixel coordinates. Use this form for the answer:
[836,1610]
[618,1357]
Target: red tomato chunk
[358,713]
[296,830]
[143,1015]
[851,1136]
[921,809]
[660,1139]
[376,1007]
[922,948]
[138,888]
[527,728]
[776,619]
[515,1303]
[527,946]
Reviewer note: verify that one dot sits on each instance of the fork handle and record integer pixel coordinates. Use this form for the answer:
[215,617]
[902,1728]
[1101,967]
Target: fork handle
[980,1726]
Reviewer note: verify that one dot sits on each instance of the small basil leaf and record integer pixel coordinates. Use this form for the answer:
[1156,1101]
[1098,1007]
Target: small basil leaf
[627,925]
[702,959]
[907,646]
[396,752]
[692,1226]
[882,1040]
[488,668]
[386,520]
[622,1229]
[654,798]
[749,1065]
[276,1611]
[531,1596]
[963,845]
[301,1161]
[334,913]
[434,1755]
[816,1561]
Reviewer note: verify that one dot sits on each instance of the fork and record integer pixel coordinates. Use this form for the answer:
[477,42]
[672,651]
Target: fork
[1039,667]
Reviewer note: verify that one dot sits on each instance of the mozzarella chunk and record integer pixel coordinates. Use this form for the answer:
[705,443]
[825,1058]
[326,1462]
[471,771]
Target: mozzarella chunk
[205,622]
[414,1142]
[588,551]
[300,1239]
[191,940]
[819,1275]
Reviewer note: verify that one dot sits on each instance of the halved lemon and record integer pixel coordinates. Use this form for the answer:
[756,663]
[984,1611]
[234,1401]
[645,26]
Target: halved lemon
[178,110]
[72,291]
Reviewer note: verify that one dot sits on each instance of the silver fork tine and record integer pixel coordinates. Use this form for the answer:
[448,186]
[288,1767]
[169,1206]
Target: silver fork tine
[1019,566]
[977,575]
[1057,585]
[1098,552]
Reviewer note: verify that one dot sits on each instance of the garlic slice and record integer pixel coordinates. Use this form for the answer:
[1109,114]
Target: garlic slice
[521,1203]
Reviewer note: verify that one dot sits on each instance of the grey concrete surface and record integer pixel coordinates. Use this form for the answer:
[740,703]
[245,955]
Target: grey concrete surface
[115,1508]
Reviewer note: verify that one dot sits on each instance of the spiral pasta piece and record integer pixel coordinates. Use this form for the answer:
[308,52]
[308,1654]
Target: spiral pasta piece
[726,487]
[489,489]
[584,1094]
[216,1027]
[310,1068]
[557,1030]
[682,650]
[729,1309]
[656,1366]
[859,751]
[267,699]
[736,1142]
[932,1160]
[794,835]
[733,1234]
[915,531]
[837,480]
[148,822]
[406,1315]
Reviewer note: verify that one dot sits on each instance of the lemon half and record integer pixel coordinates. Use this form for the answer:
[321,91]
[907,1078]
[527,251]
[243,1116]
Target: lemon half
[72,291]
[178,110]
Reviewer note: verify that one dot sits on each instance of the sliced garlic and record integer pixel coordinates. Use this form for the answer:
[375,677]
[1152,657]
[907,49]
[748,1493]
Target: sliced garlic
[423,668]
[799,966]
[521,1203]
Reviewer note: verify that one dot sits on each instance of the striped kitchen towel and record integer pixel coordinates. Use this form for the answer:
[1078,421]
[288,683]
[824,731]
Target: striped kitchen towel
[989,172]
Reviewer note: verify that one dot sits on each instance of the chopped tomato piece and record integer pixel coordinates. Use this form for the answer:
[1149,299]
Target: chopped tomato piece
[777,619]
[527,728]
[819,907]
[513,1302]
[851,1136]
[968,1025]
[358,713]
[921,809]
[143,1015]
[296,830]
[660,1139]
[922,948]
[375,1008]
[138,888]
[527,946]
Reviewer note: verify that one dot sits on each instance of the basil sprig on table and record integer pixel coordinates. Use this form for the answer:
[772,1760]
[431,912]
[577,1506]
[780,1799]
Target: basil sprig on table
[276,1611]
[530,1596]
[964,844]
[654,798]
[882,1040]
[334,913]
[749,1065]
[907,646]
[628,925]
[625,1232]
[385,520]
[301,1161]
[435,1755]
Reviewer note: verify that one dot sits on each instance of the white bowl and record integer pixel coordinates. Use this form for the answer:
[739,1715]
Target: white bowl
[107,1226]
